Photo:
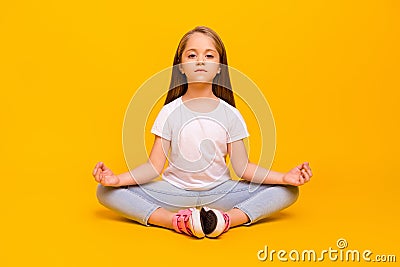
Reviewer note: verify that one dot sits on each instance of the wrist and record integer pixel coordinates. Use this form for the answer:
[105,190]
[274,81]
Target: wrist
[124,179]
[282,179]
[275,178]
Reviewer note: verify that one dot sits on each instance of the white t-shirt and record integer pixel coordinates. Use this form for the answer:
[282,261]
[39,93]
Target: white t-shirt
[198,143]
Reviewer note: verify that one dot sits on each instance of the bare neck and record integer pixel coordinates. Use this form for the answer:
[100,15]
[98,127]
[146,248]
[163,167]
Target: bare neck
[197,90]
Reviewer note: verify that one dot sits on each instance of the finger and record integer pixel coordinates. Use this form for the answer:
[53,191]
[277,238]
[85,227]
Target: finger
[306,179]
[295,170]
[309,173]
[101,166]
[307,168]
[305,175]
[97,175]
[101,175]
[104,167]
[303,178]
[300,166]
[96,168]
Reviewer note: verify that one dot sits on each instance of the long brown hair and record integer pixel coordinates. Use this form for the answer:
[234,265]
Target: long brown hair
[221,86]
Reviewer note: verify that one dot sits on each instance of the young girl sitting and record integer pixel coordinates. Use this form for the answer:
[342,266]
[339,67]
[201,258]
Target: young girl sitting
[195,130]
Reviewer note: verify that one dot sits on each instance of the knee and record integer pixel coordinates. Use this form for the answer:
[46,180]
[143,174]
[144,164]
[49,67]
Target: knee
[286,194]
[292,193]
[103,194]
[100,193]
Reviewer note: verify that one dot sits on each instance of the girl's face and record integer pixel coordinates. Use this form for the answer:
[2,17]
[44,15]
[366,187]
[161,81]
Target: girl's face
[200,59]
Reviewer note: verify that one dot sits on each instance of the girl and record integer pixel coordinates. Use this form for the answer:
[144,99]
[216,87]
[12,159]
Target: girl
[197,128]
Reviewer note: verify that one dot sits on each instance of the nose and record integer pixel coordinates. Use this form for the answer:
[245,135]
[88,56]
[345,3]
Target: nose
[200,61]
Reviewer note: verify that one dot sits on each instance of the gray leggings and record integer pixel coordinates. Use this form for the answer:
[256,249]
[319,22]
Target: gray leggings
[139,202]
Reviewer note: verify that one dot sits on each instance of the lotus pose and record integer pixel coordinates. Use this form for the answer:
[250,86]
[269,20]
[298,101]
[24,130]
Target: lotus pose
[197,128]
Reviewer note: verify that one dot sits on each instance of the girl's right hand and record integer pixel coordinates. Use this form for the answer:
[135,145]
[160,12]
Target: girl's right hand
[104,175]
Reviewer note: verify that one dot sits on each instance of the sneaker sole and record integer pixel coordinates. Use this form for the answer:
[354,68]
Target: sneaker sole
[196,224]
[215,222]
[208,220]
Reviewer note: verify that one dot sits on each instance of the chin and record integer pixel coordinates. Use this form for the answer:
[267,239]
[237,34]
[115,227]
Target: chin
[201,78]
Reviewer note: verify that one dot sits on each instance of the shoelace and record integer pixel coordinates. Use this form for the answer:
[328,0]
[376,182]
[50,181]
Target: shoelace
[181,222]
[227,222]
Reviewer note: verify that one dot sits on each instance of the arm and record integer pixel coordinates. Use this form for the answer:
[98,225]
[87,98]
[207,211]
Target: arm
[256,174]
[141,174]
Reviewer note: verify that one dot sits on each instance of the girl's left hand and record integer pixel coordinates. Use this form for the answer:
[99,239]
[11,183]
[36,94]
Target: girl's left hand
[299,175]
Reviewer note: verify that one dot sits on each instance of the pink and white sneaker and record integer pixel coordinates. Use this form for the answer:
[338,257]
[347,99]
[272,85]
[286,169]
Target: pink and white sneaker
[188,221]
[214,222]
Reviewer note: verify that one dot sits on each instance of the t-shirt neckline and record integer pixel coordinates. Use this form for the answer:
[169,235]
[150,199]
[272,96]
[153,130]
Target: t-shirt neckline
[197,112]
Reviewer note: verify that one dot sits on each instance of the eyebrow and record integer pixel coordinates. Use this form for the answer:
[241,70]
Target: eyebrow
[209,49]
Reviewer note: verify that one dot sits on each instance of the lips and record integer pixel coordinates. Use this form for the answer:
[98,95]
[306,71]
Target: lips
[203,70]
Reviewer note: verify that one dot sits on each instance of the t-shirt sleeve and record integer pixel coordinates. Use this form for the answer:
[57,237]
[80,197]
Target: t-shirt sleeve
[237,127]
[161,125]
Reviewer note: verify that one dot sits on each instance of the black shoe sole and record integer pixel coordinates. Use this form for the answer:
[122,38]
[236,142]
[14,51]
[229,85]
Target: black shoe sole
[208,221]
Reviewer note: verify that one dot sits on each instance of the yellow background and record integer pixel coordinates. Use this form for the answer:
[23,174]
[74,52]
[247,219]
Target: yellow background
[68,70]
